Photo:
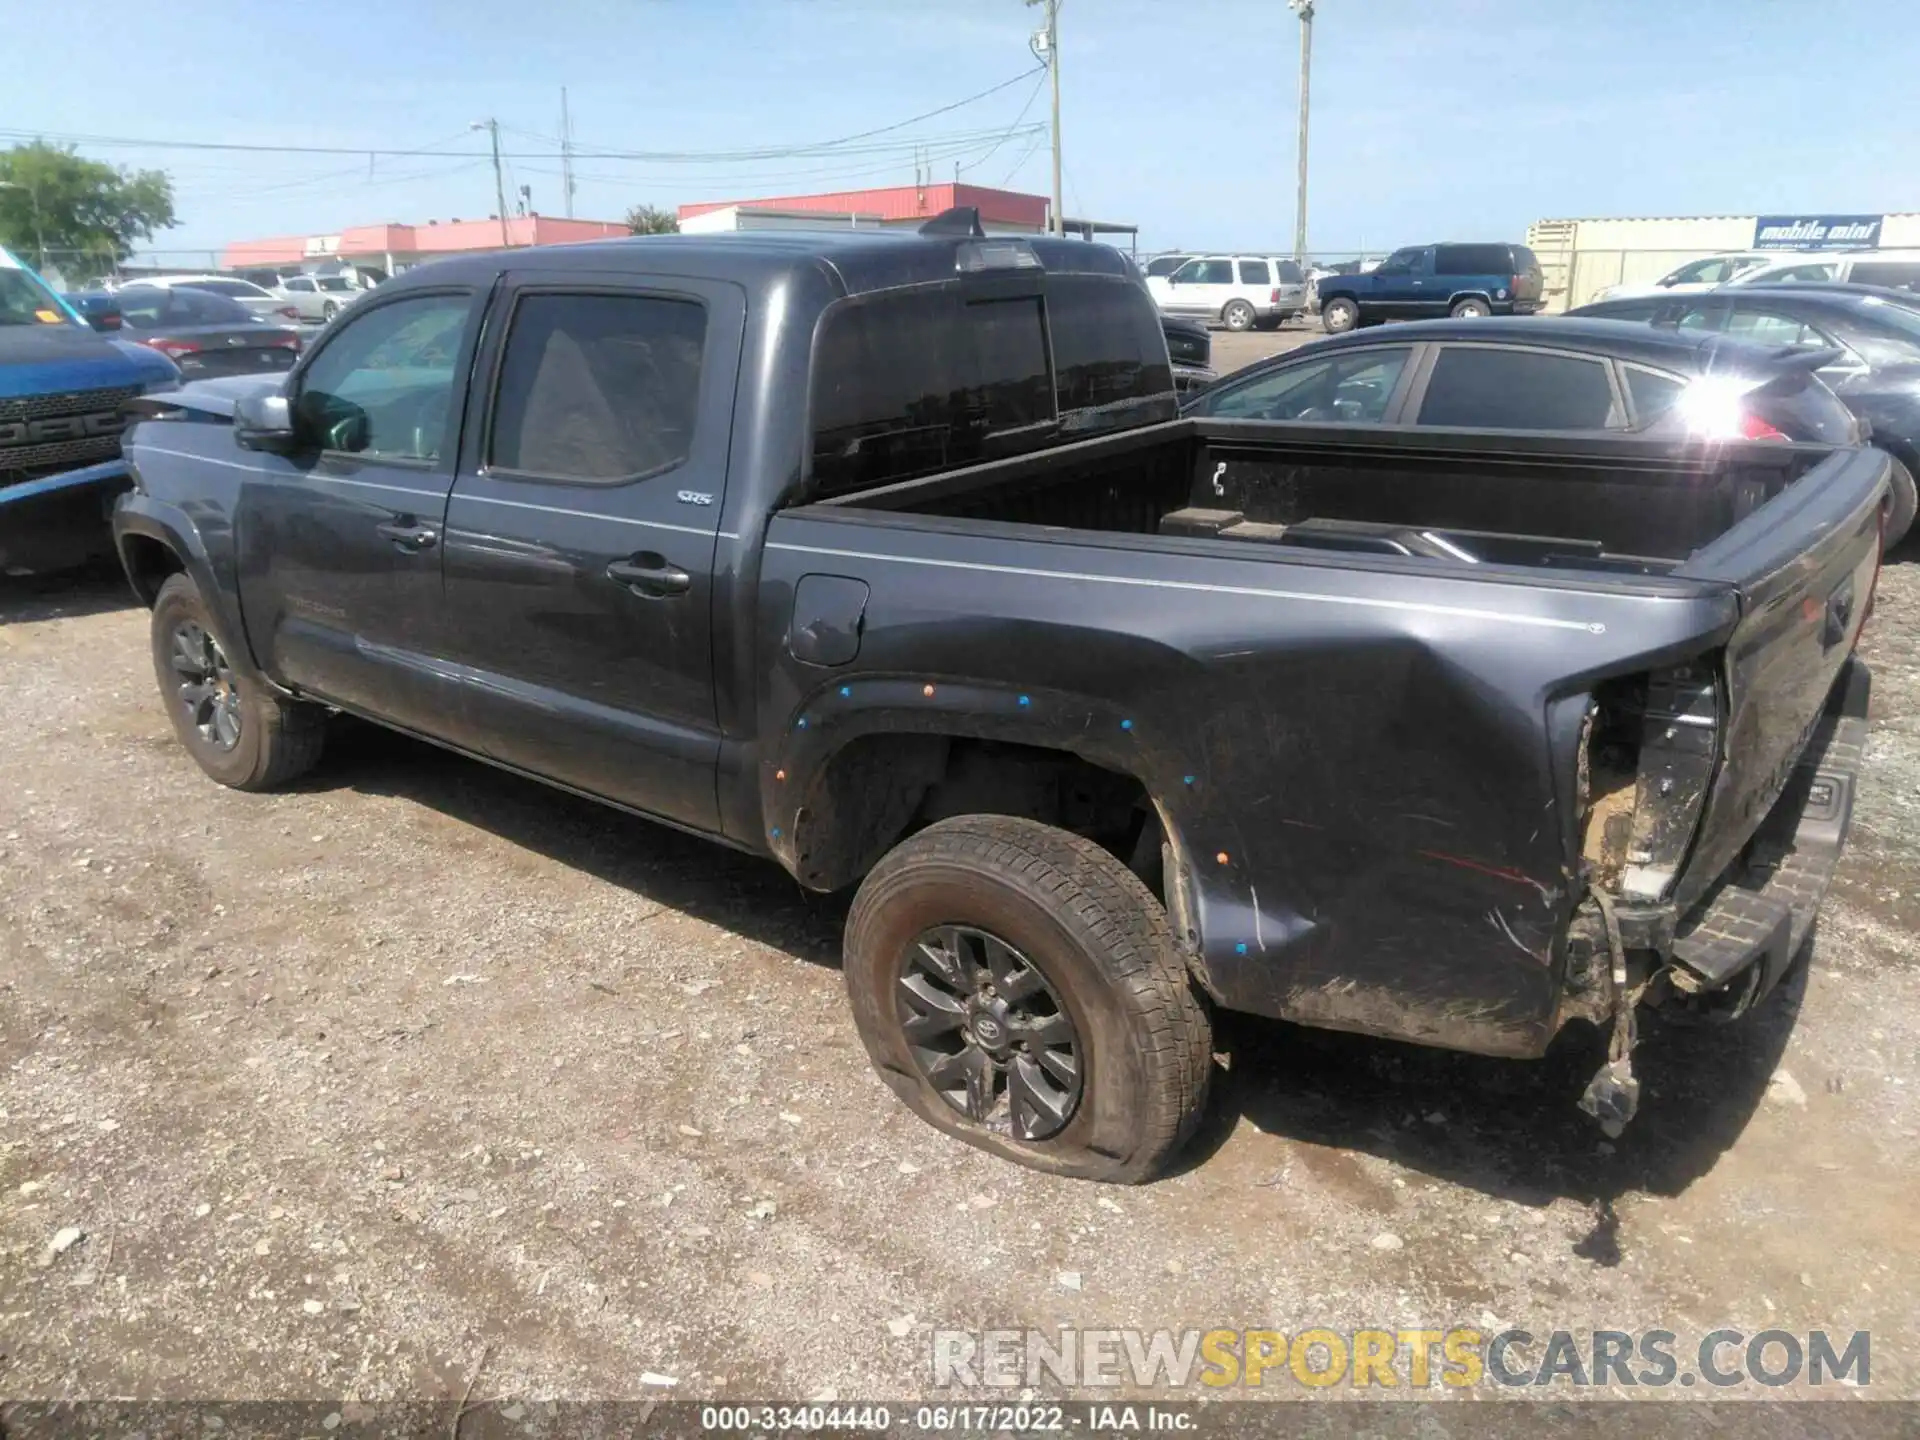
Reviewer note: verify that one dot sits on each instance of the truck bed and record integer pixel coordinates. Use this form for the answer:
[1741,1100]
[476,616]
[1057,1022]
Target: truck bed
[1605,504]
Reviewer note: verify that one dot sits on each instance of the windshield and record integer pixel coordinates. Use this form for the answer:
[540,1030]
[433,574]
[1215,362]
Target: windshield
[25,301]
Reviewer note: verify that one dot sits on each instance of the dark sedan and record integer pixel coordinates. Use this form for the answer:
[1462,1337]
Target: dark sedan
[1869,341]
[203,333]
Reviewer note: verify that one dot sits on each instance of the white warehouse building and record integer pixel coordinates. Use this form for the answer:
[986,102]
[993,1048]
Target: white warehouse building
[1580,258]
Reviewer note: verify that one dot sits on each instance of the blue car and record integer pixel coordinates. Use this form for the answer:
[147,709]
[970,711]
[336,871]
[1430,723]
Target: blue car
[61,389]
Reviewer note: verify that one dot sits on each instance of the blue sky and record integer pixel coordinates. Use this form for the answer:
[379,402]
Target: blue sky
[1431,118]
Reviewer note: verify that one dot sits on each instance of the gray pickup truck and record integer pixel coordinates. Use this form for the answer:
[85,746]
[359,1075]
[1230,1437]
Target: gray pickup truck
[887,557]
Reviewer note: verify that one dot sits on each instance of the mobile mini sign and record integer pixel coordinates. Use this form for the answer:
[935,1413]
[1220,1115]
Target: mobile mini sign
[1816,232]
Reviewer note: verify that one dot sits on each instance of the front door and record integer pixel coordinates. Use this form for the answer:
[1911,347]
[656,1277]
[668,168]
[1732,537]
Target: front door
[1406,284]
[1200,289]
[339,540]
[581,535]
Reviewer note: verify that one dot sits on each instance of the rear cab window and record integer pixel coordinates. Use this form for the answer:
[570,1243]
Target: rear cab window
[913,381]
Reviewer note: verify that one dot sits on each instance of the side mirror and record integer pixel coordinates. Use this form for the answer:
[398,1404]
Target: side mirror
[264,422]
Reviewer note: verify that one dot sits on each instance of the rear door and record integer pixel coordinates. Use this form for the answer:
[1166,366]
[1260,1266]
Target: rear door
[1516,387]
[581,534]
[339,541]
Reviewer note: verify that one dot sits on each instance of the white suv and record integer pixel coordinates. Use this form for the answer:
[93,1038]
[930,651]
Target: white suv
[1895,269]
[1238,291]
[1695,275]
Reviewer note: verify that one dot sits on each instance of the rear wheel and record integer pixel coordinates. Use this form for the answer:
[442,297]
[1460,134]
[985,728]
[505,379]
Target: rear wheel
[1470,308]
[1902,501]
[239,732]
[1237,315]
[1017,986]
[1339,316]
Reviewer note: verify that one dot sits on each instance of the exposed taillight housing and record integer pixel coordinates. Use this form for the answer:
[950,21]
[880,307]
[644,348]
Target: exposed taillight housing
[287,312]
[286,342]
[1652,743]
[1274,298]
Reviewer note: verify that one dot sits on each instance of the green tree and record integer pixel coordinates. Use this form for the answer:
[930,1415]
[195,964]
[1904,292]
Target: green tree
[79,214]
[652,220]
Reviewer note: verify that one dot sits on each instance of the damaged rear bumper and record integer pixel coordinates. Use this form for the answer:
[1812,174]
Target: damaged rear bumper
[1733,946]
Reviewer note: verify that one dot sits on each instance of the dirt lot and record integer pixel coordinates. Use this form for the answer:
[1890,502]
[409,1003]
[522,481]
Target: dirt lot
[420,1067]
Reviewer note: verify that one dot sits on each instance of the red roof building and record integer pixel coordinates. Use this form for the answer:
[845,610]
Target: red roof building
[395,247]
[1005,210]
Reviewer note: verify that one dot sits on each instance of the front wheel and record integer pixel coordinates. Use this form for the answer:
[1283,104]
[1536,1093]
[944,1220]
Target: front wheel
[1339,316]
[1017,987]
[1237,316]
[239,732]
[328,311]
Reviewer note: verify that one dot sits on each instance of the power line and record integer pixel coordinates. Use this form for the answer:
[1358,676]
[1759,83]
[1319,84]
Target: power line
[1032,95]
[656,156]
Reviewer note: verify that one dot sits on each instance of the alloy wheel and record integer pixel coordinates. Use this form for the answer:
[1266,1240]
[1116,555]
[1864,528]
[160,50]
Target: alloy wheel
[989,1033]
[205,686]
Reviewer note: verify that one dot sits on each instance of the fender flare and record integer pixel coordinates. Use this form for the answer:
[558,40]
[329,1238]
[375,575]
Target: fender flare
[797,764]
[143,517]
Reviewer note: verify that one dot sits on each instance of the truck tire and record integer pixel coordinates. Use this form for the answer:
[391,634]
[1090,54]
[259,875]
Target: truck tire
[1902,501]
[1339,315]
[237,731]
[1237,315]
[1471,308]
[1018,988]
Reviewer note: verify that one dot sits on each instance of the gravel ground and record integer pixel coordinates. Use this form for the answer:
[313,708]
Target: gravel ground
[419,1067]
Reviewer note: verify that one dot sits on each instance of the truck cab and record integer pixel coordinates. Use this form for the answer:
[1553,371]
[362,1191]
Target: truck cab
[61,389]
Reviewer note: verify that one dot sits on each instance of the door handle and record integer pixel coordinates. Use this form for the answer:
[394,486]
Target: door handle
[408,535]
[650,574]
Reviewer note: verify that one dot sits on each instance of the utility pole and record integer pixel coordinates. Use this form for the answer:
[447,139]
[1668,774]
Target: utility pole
[1046,45]
[492,127]
[566,152]
[1304,9]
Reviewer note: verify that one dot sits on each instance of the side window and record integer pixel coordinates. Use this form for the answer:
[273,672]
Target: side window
[598,388]
[1895,274]
[301,283]
[1701,317]
[1652,392]
[1517,390]
[1473,260]
[141,306]
[910,382]
[1771,328]
[1794,274]
[1255,272]
[1409,259]
[383,386]
[1205,272]
[1347,389]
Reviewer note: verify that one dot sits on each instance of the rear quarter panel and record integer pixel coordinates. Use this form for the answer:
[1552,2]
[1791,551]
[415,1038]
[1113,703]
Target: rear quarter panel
[1366,771]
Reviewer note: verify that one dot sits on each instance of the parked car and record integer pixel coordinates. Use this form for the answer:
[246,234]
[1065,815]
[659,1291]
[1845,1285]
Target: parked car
[203,333]
[61,388]
[1893,269]
[319,297]
[262,304]
[1868,344]
[1422,282]
[1241,292]
[1695,275]
[889,559]
[1161,266]
[1190,349]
